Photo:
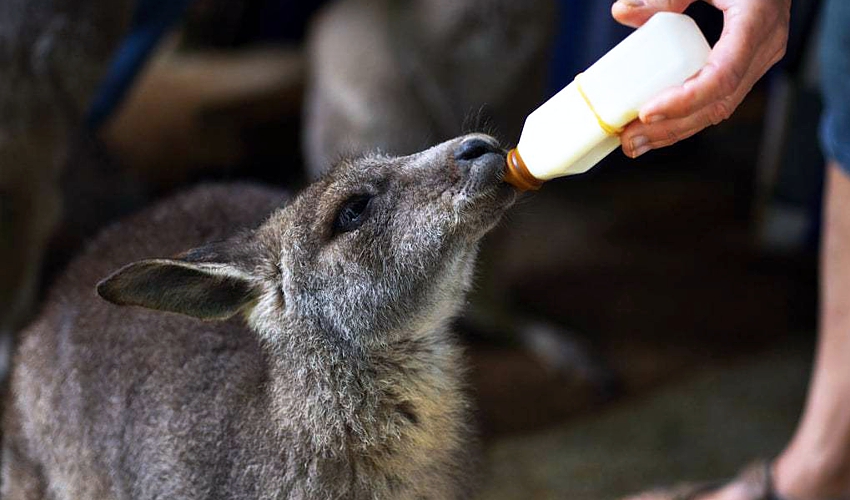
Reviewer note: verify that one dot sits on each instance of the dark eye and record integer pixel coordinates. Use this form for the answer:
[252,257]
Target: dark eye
[352,214]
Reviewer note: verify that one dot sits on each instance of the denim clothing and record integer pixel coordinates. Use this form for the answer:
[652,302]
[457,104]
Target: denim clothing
[834,61]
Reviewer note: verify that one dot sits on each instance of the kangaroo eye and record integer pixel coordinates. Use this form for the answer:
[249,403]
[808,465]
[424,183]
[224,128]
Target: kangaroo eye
[352,214]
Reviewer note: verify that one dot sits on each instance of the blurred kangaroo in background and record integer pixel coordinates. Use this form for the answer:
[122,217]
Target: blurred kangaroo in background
[401,74]
[325,369]
[52,57]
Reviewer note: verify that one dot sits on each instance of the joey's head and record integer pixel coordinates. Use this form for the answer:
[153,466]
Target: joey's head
[380,245]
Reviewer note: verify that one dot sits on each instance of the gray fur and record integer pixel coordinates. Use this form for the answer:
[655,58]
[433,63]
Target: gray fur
[338,379]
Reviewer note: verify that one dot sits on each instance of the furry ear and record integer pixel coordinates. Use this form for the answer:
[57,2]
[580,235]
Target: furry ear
[211,291]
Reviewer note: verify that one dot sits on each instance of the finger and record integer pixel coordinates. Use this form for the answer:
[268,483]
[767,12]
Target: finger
[734,62]
[638,137]
[666,106]
[636,12]
[637,143]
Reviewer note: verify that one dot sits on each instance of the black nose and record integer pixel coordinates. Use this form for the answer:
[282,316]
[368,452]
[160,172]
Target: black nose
[473,148]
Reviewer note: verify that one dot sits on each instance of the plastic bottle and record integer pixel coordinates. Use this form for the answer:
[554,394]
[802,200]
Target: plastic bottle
[580,125]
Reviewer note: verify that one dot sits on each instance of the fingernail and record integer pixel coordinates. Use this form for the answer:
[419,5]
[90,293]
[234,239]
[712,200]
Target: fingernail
[631,3]
[655,119]
[641,150]
[639,145]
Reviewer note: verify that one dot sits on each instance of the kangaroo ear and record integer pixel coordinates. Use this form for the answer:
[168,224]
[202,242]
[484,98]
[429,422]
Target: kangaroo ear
[205,290]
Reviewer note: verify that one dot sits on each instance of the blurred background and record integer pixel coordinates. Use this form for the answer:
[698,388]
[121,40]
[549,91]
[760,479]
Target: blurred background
[648,322]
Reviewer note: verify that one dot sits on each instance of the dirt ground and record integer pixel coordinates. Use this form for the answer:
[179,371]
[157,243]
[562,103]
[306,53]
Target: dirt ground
[704,427]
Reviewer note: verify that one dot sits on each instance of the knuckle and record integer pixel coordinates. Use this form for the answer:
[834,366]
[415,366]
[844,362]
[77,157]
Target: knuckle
[781,29]
[719,111]
[669,5]
[781,52]
[777,27]
[671,136]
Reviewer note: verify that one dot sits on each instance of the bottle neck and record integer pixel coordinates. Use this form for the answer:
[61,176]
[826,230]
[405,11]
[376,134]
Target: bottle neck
[517,174]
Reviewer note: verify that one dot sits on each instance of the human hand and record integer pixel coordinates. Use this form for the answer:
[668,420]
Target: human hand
[754,36]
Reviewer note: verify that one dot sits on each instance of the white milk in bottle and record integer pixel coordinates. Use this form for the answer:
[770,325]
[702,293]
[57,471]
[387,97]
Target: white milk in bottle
[580,125]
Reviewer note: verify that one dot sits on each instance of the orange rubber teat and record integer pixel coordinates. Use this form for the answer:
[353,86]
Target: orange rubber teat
[517,174]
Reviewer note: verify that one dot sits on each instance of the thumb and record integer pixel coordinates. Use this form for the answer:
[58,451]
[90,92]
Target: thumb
[636,12]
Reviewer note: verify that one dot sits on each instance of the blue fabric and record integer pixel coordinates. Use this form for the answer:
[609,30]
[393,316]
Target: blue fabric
[585,31]
[834,57]
[151,20]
